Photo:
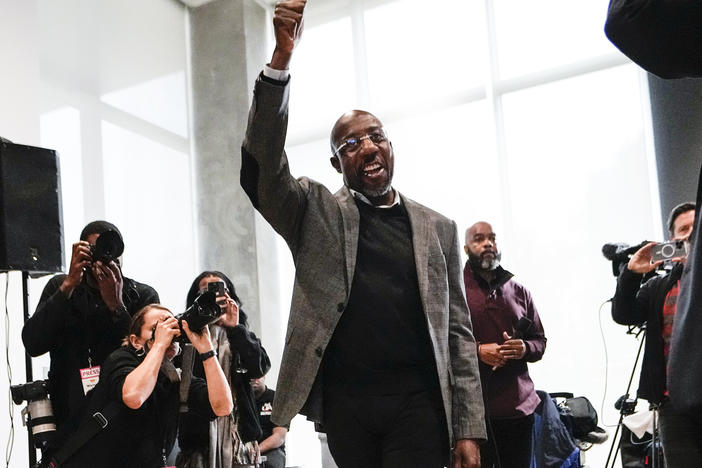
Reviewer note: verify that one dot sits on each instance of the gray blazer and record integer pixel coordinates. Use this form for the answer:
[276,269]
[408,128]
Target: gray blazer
[321,230]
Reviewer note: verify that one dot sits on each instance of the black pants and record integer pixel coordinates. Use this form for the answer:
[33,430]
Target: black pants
[387,431]
[681,435]
[513,439]
[275,458]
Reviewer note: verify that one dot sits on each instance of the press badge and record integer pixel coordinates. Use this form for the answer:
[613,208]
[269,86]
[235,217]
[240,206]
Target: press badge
[89,377]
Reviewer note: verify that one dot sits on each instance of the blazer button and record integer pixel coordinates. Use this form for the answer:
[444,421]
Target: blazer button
[340,307]
[319,351]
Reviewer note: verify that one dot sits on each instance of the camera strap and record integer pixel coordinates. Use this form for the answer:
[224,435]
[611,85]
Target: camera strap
[186,376]
[89,429]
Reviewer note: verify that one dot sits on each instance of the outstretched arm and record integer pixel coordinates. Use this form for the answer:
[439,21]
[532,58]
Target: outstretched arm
[265,175]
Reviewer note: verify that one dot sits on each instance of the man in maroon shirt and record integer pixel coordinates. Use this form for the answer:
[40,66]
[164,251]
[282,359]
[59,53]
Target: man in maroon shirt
[509,334]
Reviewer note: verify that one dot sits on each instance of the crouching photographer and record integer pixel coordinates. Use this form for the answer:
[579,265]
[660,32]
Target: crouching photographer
[81,318]
[653,303]
[133,413]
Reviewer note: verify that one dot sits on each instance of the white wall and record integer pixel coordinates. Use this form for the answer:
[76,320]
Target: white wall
[103,83]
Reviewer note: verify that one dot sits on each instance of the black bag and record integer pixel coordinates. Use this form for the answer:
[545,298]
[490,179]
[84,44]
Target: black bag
[662,36]
[577,413]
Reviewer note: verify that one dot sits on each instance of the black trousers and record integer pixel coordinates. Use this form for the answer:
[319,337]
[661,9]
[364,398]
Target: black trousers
[387,431]
[681,435]
[275,458]
[510,439]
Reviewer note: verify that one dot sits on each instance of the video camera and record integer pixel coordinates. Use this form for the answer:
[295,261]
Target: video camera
[38,416]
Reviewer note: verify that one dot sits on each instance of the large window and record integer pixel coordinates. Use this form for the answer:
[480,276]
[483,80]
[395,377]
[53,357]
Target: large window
[518,113]
[114,106]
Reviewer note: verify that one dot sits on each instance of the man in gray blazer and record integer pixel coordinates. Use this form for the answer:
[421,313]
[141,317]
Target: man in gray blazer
[379,347]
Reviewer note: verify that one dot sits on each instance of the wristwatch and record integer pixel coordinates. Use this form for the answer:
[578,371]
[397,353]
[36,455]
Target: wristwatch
[207,355]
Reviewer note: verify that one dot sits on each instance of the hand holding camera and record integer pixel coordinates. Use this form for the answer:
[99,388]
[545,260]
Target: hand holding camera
[109,281]
[201,340]
[641,262]
[165,332]
[81,259]
[230,309]
[653,254]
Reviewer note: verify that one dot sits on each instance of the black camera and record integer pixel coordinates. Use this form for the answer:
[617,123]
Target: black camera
[668,251]
[38,416]
[203,312]
[108,247]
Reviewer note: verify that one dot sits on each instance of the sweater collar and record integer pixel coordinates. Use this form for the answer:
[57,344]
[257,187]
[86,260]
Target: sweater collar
[365,199]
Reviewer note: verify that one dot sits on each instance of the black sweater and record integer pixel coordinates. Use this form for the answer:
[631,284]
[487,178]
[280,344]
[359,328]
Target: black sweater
[381,344]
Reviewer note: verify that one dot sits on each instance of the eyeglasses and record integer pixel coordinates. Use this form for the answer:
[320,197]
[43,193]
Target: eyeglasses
[350,145]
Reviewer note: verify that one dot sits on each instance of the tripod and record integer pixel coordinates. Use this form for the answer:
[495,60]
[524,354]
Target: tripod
[626,407]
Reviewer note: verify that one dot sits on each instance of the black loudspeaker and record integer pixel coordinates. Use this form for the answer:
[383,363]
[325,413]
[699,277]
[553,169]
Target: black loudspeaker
[31,223]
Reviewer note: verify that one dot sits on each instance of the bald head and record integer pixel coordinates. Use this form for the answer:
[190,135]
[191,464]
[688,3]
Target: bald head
[346,123]
[480,226]
[362,153]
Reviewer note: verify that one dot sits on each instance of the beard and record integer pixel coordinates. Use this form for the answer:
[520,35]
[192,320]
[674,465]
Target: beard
[377,193]
[485,261]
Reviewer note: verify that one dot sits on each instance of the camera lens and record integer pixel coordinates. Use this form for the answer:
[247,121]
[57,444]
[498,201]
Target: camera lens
[668,250]
[203,312]
[108,247]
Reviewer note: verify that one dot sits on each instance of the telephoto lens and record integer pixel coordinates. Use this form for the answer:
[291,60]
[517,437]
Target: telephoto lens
[38,416]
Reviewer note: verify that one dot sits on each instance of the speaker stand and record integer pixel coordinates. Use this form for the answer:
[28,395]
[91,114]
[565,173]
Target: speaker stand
[28,363]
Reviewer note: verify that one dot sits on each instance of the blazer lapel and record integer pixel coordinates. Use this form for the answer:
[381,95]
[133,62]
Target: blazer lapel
[350,218]
[420,242]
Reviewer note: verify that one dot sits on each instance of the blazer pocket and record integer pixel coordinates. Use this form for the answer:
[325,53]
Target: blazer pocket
[452,380]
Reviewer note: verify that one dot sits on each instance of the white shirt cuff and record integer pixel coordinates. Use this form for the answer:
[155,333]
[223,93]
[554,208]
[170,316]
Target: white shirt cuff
[278,75]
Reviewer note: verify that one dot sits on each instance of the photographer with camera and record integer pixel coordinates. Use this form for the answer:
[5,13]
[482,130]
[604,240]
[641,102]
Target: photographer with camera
[140,381]
[230,440]
[654,303]
[81,318]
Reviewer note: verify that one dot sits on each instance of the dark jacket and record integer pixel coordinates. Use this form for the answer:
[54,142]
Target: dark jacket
[248,354]
[637,304]
[73,330]
[662,36]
